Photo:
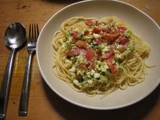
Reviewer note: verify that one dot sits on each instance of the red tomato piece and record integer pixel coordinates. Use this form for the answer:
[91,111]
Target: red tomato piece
[73,52]
[111,37]
[123,40]
[83,66]
[91,22]
[81,44]
[86,33]
[96,30]
[108,55]
[93,66]
[83,51]
[87,64]
[90,65]
[75,35]
[106,30]
[122,29]
[97,41]
[114,69]
[98,54]
[112,66]
[90,54]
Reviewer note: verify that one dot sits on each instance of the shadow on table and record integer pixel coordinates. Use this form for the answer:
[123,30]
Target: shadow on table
[71,112]
[62,1]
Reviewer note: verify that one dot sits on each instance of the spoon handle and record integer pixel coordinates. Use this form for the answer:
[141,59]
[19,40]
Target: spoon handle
[23,108]
[5,88]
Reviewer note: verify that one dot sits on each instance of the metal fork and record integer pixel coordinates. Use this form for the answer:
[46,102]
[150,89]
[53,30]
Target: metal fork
[31,48]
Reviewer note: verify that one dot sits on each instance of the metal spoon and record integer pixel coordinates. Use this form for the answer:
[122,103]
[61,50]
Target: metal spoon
[15,37]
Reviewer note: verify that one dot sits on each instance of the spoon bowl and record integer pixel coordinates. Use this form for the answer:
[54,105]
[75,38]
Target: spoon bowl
[15,36]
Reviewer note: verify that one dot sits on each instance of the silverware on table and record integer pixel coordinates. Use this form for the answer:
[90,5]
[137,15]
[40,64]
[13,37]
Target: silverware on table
[14,39]
[31,48]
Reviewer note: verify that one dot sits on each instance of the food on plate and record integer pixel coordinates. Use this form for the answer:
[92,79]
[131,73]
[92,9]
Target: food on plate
[98,56]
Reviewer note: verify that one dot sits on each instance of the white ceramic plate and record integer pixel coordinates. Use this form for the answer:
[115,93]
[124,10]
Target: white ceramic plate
[141,24]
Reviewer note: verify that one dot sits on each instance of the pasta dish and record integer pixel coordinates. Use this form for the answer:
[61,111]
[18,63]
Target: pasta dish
[98,56]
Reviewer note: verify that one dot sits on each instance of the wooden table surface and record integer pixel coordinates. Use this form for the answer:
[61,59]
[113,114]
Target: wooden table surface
[43,103]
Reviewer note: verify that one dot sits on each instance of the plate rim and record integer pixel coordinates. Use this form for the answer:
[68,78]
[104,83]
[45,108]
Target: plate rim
[77,103]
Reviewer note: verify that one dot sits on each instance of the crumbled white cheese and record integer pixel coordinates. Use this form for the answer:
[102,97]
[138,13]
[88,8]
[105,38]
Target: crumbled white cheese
[73,69]
[96,35]
[88,74]
[90,81]
[105,49]
[119,56]
[104,67]
[79,72]
[101,66]
[119,46]
[88,37]
[96,75]
[80,58]
[92,72]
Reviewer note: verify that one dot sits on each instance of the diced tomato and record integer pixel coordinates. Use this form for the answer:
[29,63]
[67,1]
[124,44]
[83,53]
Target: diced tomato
[83,66]
[91,22]
[83,51]
[90,65]
[75,35]
[112,66]
[122,29]
[73,52]
[97,41]
[98,54]
[96,30]
[93,66]
[90,54]
[106,30]
[110,60]
[81,44]
[123,40]
[108,55]
[111,37]
[86,33]
[87,64]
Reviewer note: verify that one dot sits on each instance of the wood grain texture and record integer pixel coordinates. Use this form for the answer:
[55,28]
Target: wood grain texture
[43,103]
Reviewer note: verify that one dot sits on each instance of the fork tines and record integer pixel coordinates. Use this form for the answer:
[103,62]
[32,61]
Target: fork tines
[33,32]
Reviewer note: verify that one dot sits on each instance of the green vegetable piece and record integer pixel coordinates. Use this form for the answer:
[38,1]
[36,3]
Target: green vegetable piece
[88,38]
[103,78]
[128,33]
[67,35]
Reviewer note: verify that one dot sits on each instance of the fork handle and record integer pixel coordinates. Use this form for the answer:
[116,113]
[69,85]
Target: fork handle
[23,108]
